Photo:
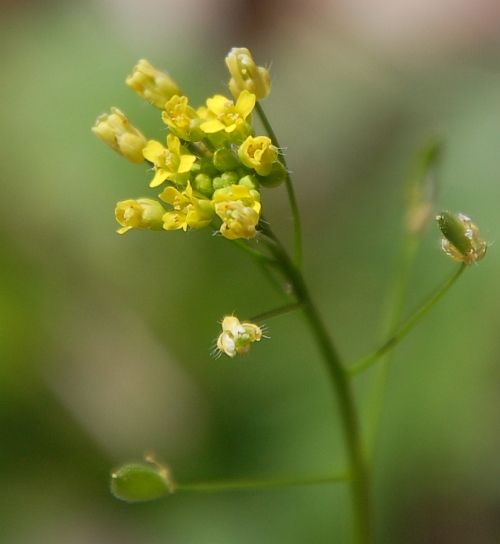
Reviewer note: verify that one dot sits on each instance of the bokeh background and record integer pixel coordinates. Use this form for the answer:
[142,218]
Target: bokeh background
[105,340]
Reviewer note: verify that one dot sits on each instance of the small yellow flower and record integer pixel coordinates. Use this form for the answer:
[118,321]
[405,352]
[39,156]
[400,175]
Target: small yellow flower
[259,153]
[461,238]
[169,162]
[239,208]
[190,210]
[153,85]
[182,119]
[246,75]
[143,213]
[236,337]
[115,130]
[222,114]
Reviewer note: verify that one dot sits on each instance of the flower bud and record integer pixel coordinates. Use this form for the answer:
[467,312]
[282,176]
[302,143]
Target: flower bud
[461,241]
[203,184]
[140,482]
[258,153]
[236,337]
[143,213]
[153,85]
[246,75]
[275,177]
[115,130]
[224,159]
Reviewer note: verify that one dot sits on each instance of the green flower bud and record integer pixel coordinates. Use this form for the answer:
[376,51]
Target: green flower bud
[203,184]
[275,177]
[462,241]
[140,482]
[249,181]
[225,180]
[224,159]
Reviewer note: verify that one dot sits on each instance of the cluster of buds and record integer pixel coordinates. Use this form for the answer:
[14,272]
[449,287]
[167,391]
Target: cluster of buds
[461,238]
[212,165]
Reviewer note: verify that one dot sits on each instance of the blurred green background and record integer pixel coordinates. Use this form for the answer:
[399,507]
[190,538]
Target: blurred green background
[105,340]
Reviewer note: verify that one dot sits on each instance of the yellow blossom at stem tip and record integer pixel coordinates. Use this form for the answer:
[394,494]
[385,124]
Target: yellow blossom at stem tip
[115,130]
[169,162]
[246,75]
[153,85]
[236,337]
[182,119]
[223,114]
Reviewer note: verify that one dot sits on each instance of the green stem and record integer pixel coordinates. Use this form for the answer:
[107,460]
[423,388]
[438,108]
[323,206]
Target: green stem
[250,484]
[369,360]
[410,245]
[254,252]
[348,414]
[281,310]
[289,187]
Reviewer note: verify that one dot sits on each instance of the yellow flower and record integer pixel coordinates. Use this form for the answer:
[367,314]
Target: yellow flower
[222,114]
[236,337]
[169,162]
[115,130]
[246,75]
[182,119]
[259,153]
[154,86]
[143,213]
[239,208]
[190,211]
[461,238]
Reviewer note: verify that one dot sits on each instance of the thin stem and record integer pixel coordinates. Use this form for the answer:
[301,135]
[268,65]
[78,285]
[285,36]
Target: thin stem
[281,310]
[254,252]
[289,188]
[369,360]
[410,245]
[348,414]
[250,484]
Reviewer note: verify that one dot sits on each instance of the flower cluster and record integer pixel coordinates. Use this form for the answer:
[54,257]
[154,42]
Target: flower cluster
[211,166]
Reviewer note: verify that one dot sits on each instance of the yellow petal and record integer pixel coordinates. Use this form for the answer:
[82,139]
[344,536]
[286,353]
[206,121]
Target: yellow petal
[185,164]
[210,127]
[217,104]
[160,177]
[169,195]
[174,144]
[123,230]
[245,104]
[153,151]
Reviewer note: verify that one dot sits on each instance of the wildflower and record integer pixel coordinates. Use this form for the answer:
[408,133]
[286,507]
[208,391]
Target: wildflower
[222,114]
[236,337]
[259,153]
[154,86]
[190,211]
[169,162]
[115,130]
[239,208]
[246,75]
[461,238]
[182,119]
[143,213]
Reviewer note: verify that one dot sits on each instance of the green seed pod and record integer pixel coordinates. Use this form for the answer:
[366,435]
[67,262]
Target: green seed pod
[455,231]
[140,482]
[462,241]
[224,159]
[275,177]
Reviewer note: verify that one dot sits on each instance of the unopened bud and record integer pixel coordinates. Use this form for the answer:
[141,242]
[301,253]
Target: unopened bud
[461,238]
[153,85]
[246,75]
